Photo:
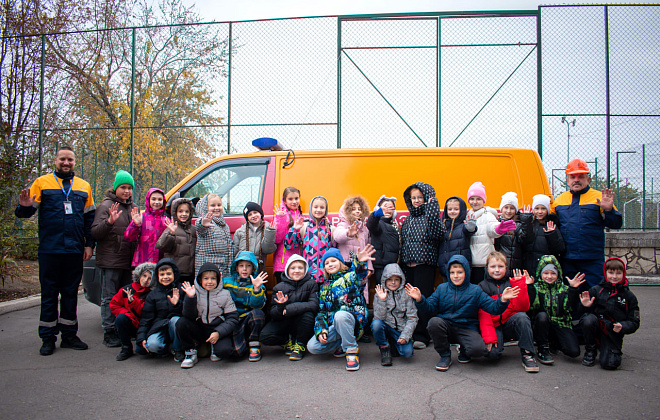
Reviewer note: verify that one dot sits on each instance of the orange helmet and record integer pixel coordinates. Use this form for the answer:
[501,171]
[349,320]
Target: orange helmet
[577,166]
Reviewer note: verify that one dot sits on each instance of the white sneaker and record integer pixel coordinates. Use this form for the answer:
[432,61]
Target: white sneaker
[215,358]
[190,360]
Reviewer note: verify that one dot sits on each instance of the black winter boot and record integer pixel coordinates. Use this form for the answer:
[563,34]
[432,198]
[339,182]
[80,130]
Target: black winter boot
[125,353]
[385,356]
[590,353]
[544,355]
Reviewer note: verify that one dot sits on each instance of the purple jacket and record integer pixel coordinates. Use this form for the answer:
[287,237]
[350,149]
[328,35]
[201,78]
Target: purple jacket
[148,233]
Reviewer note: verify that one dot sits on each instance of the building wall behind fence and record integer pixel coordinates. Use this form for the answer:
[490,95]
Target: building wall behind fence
[568,81]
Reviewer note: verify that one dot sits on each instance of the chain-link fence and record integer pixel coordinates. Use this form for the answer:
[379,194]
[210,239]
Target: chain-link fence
[568,81]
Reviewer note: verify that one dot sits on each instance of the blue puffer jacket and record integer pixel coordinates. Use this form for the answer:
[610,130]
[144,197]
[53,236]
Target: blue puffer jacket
[582,223]
[457,239]
[460,304]
[242,292]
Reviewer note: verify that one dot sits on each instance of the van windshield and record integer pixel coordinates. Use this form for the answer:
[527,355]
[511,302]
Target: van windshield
[236,184]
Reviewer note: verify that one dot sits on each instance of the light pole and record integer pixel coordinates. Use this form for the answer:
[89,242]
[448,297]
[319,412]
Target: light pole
[568,139]
[618,198]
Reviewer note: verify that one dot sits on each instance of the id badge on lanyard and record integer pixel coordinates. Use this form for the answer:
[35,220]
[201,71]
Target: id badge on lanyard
[68,208]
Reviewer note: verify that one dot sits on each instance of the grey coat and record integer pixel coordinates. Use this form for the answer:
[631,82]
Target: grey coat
[262,240]
[398,310]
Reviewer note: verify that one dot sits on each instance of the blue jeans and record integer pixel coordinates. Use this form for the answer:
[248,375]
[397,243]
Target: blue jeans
[341,333]
[157,343]
[381,331]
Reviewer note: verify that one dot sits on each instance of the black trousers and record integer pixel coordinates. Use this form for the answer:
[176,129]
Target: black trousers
[548,334]
[59,276]
[298,328]
[191,331]
[444,333]
[597,332]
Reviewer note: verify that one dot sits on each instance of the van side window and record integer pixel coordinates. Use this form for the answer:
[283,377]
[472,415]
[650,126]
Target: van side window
[236,184]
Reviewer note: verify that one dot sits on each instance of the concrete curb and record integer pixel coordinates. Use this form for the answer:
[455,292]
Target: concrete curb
[23,303]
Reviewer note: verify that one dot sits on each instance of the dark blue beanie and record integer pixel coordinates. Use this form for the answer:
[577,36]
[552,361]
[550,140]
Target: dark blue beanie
[332,253]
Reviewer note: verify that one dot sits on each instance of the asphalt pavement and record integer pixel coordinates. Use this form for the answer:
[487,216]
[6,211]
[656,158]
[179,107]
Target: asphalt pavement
[91,384]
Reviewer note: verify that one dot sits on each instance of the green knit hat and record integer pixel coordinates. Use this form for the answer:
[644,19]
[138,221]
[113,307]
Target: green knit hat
[122,178]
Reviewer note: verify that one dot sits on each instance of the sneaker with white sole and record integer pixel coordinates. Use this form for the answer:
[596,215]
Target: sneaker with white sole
[462,357]
[419,345]
[528,362]
[190,360]
[215,358]
[255,351]
[443,364]
[352,359]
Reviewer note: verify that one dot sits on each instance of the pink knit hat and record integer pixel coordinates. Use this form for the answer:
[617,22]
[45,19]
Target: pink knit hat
[477,190]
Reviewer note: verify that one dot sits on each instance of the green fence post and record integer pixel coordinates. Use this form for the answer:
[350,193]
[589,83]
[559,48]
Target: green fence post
[643,187]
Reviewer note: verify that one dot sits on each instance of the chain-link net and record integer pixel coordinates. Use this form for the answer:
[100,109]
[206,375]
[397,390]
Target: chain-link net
[161,100]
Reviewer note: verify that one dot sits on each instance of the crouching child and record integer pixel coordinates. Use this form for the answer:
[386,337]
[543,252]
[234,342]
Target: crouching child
[395,316]
[246,286]
[612,312]
[209,315]
[342,309]
[454,307]
[127,305]
[293,310]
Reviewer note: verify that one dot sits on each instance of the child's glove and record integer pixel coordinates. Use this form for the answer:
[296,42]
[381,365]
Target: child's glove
[505,226]
[378,212]
[471,225]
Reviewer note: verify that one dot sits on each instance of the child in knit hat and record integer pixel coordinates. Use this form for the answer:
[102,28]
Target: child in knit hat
[482,242]
[545,237]
[255,235]
[343,313]
[511,244]
[552,305]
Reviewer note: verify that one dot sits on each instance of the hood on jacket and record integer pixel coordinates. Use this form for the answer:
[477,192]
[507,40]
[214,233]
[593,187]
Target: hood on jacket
[202,208]
[312,202]
[545,260]
[141,269]
[462,207]
[382,198]
[427,191]
[393,270]
[147,206]
[293,258]
[347,216]
[245,256]
[208,266]
[175,205]
[165,261]
[466,266]
[623,282]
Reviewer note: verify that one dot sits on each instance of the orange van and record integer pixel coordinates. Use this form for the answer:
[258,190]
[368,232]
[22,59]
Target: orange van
[261,177]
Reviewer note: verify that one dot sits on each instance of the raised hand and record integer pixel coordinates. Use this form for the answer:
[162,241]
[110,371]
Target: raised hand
[278,210]
[576,281]
[366,254]
[129,294]
[190,291]
[586,299]
[207,219]
[257,282]
[24,198]
[607,202]
[381,293]
[171,226]
[213,338]
[113,213]
[505,226]
[510,293]
[174,299]
[281,298]
[526,209]
[136,215]
[299,223]
[413,292]
[352,230]
[470,222]
[550,226]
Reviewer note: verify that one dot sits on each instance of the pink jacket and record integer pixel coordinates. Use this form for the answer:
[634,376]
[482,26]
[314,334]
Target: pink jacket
[282,225]
[147,234]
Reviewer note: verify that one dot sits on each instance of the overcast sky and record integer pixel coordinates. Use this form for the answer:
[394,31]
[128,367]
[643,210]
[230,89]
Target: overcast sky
[232,10]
